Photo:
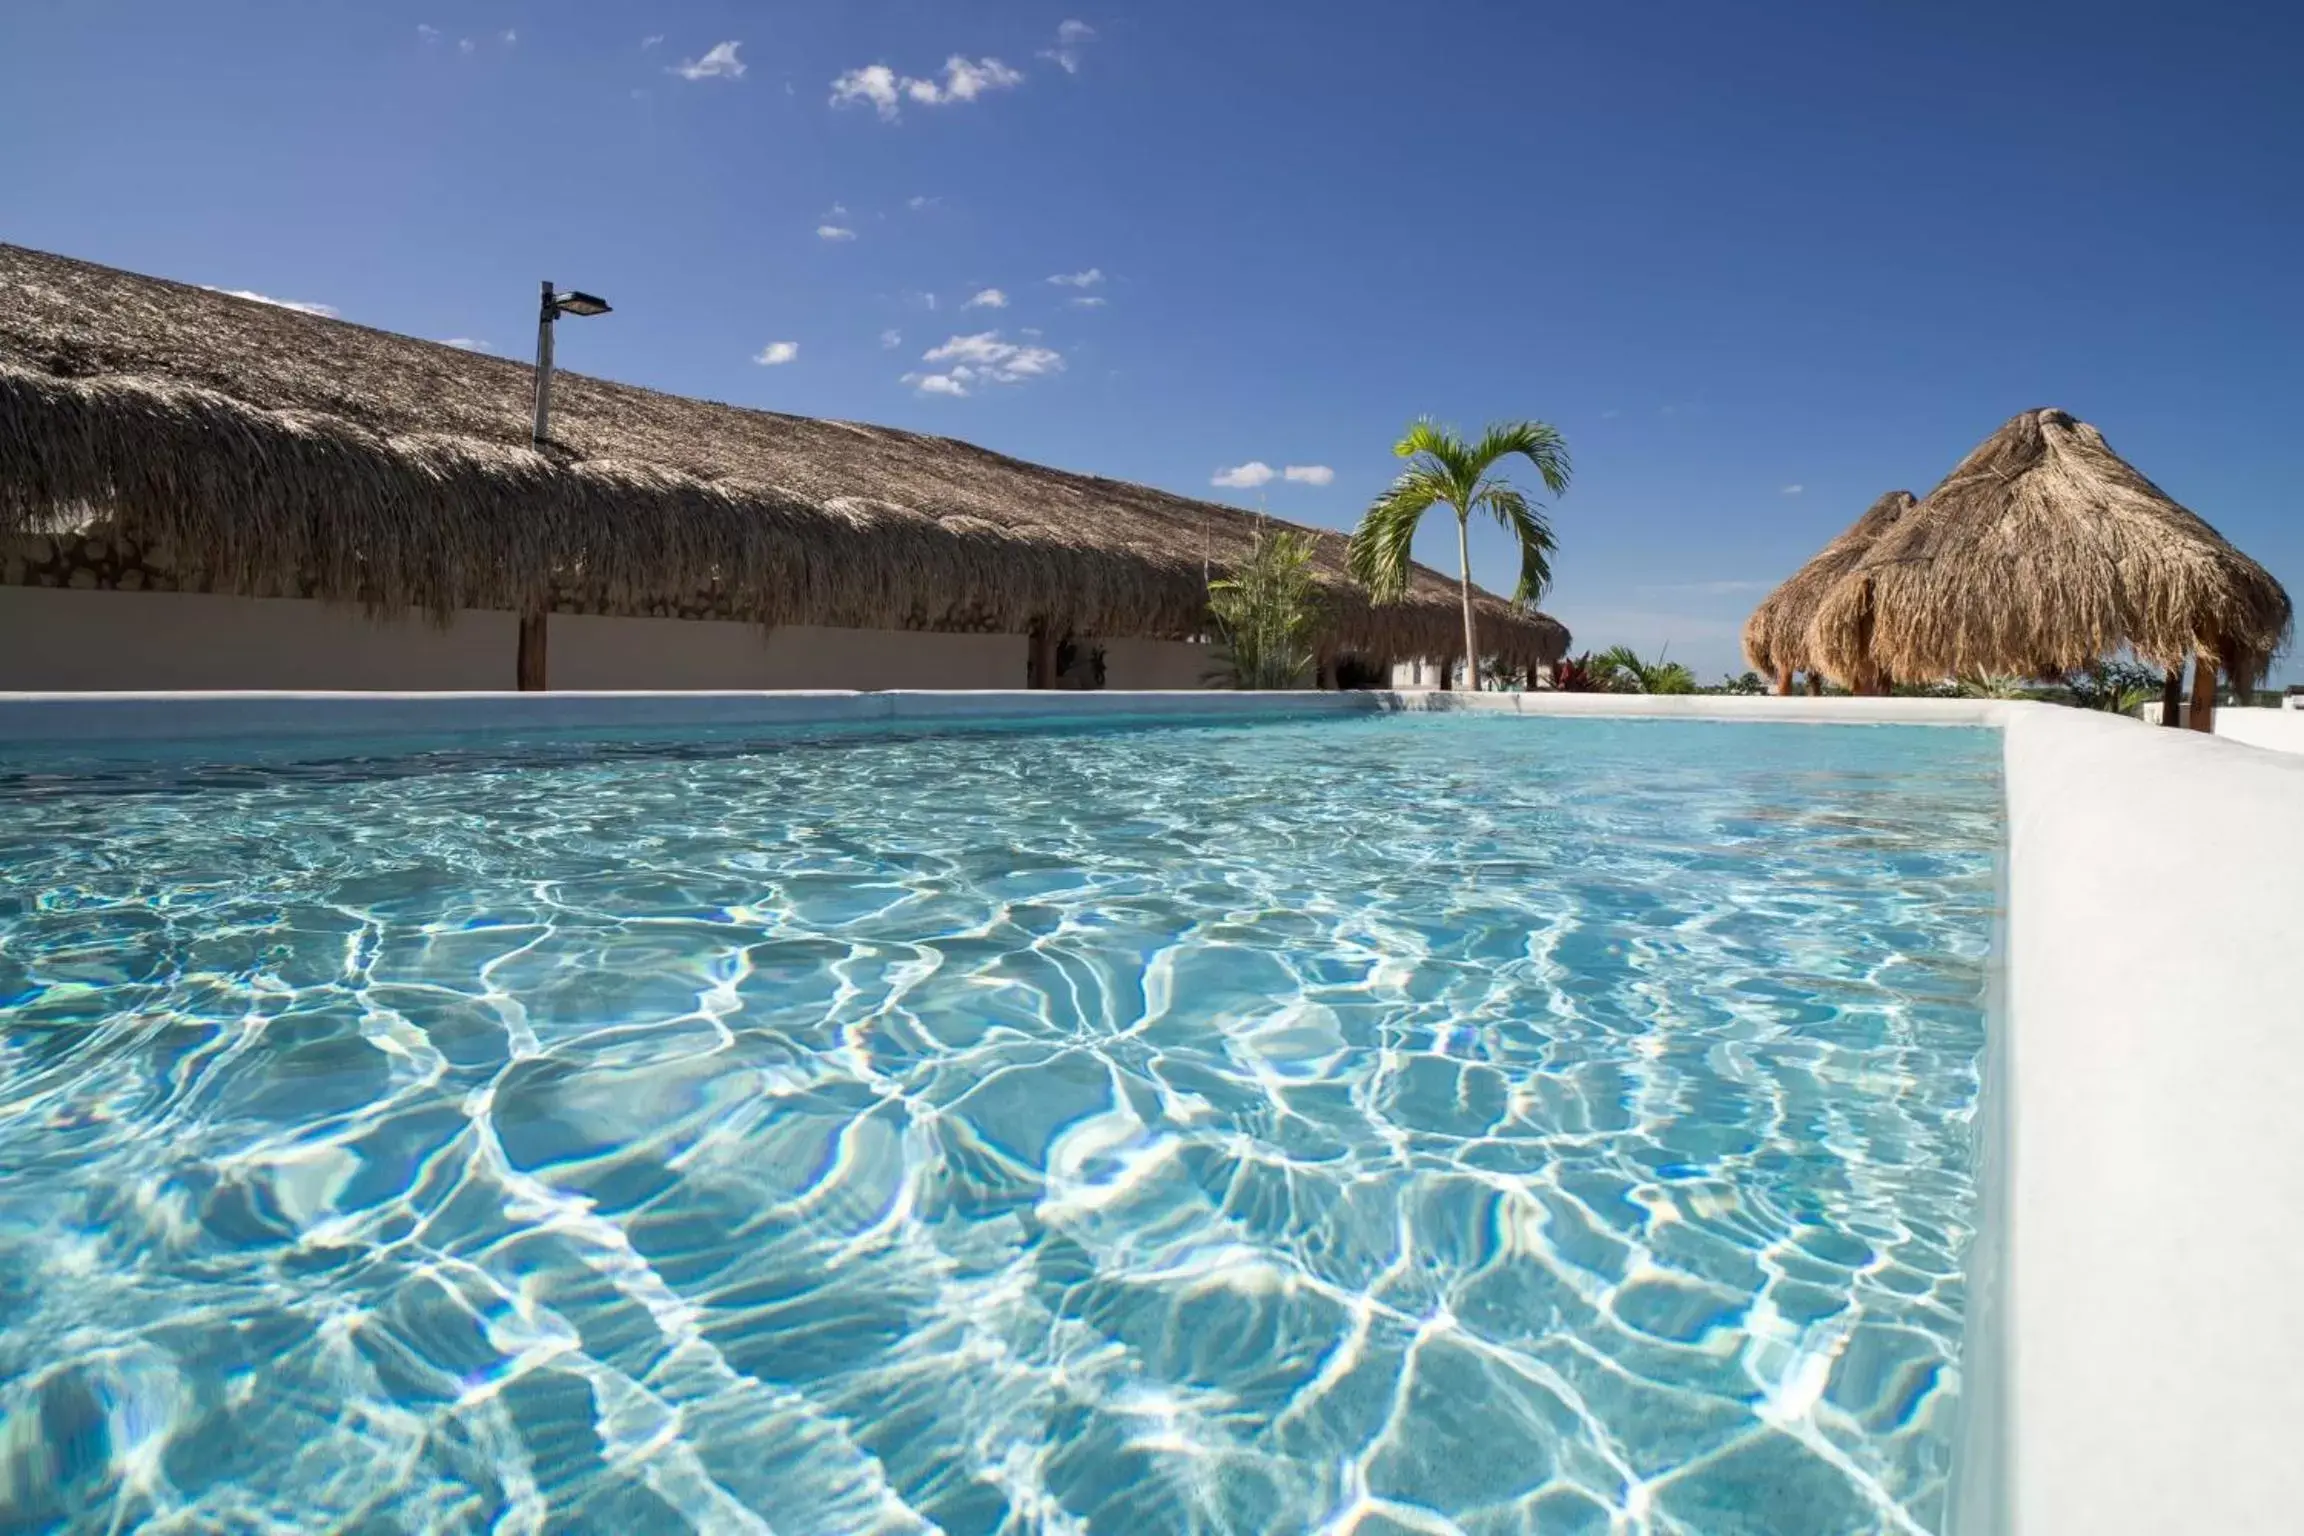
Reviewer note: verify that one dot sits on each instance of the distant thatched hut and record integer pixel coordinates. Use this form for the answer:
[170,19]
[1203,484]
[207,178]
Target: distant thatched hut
[1776,635]
[155,436]
[2044,551]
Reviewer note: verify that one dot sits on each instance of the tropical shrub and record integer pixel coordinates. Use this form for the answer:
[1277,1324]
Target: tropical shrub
[1575,674]
[1623,671]
[2122,687]
[1265,614]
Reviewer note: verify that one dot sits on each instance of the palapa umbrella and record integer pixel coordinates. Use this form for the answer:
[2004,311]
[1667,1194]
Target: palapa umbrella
[1776,636]
[2042,552]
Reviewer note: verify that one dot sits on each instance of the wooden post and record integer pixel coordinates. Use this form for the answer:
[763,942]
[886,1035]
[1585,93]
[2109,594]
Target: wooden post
[1784,683]
[1324,671]
[1447,667]
[532,637]
[1815,685]
[1040,663]
[2172,695]
[2203,716]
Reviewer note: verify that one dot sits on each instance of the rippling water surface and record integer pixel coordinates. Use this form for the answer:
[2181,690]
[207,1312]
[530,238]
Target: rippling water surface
[1393,1124]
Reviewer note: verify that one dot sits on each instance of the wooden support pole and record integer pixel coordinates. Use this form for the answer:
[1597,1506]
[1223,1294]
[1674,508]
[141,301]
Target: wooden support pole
[1815,685]
[1784,683]
[2203,715]
[532,637]
[1447,668]
[1040,663]
[2172,696]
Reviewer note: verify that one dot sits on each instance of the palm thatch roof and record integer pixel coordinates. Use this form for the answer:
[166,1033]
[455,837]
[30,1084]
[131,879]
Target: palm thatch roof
[1776,636]
[260,448]
[2041,552]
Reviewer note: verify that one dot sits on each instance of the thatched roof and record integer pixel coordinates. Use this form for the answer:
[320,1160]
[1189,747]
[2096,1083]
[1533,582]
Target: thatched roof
[1776,636]
[269,448]
[2041,552]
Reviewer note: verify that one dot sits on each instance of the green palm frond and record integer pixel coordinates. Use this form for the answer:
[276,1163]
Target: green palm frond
[1449,471]
[1529,528]
[1379,555]
[1538,442]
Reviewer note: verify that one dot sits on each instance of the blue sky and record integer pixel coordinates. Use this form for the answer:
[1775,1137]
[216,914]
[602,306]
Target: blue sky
[1759,262]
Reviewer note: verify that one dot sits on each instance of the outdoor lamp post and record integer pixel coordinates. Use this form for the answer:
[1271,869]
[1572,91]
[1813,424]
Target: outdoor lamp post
[556,304]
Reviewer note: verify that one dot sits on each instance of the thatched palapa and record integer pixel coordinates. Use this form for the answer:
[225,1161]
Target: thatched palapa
[2044,551]
[1776,635]
[263,449]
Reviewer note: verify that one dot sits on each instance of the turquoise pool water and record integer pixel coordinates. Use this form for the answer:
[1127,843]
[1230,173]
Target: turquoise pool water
[1390,1124]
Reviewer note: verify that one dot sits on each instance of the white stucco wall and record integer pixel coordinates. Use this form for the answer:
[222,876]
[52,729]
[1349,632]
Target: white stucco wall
[63,639]
[2275,730]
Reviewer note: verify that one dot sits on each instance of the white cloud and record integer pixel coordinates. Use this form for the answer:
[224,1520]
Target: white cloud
[510,37]
[719,63]
[987,355]
[1090,301]
[466,344]
[324,311]
[651,40]
[964,81]
[988,298]
[1087,279]
[984,358]
[885,91]
[777,353]
[891,339]
[1610,415]
[1071,38]
[874,83]
[427,32]
[1243,477]
[1794,490]
[923,201]
[1309,474]
[834,232]
[463,45]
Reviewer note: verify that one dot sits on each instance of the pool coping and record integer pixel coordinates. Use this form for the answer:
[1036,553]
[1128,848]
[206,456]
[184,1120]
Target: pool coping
[2131,1361]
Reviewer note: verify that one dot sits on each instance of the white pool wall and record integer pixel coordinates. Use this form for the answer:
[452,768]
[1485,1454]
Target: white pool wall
[2134,1359]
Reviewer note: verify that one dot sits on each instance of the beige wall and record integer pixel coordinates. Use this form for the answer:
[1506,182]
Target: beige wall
[1138,665]
[59,638]
[69,639]
[590,652]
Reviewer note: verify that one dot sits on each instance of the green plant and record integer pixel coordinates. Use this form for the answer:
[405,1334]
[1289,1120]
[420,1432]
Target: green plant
[1574,674]
[1265,613]
[1995,687]
[1623,671]
[2121,687]
[1742,683]
[1446,471]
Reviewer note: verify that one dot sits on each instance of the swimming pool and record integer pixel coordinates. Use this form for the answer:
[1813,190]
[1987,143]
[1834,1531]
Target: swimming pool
[1378,1123]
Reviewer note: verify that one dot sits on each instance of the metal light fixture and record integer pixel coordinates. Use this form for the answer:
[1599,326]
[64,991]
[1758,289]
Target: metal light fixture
[529,667]
[554,306]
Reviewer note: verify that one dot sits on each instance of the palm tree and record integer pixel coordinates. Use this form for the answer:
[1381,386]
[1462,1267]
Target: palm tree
[1448,472]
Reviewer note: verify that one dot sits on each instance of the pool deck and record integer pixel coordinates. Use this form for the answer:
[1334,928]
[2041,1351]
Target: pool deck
[2135,1353]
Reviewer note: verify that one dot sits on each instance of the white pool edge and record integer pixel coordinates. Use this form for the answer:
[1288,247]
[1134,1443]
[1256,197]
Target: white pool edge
[2134,1356]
